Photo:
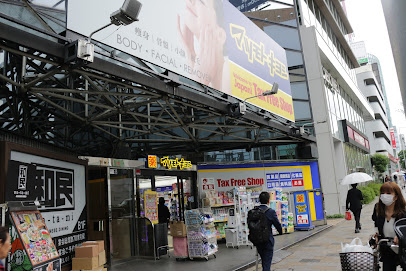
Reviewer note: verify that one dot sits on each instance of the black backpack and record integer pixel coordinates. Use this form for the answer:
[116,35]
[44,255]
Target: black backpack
[258,226]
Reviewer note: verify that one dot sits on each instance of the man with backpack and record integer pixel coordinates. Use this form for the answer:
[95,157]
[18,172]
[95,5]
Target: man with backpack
[260,221]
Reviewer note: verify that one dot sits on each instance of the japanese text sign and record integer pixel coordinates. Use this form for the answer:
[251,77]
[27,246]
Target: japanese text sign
[233,56]
[302,210]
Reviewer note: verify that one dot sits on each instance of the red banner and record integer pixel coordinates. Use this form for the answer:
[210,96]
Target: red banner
[393,138]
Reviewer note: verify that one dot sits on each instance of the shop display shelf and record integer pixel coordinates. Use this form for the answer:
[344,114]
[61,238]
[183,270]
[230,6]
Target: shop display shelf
[219,221]
[222,205]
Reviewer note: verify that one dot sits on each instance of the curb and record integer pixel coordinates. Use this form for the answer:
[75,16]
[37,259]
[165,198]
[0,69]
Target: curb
[252,263]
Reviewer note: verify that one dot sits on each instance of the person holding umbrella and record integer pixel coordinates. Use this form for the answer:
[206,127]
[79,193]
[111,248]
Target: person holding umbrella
[353,202]
[354,195]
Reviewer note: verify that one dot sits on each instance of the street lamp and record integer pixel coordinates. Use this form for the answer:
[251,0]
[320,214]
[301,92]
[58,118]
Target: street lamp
[84,49]
[302,130]
[239,109]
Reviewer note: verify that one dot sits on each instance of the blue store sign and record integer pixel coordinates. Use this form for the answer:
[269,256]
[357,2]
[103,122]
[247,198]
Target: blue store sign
[302,211]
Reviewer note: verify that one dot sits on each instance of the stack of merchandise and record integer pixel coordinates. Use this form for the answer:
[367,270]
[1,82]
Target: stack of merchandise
[284,214]
[201,233]
[173,206]
[279,202]
[214,198]
[221,232]
[90,256]
[254,192]
[220,216]
[290,228]
[243,204]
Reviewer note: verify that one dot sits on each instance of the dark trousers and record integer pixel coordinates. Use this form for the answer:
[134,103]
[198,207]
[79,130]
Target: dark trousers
[389,265]
[357,215]
[266,253]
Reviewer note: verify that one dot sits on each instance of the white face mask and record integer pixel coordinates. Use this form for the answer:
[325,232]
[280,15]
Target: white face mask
[387,199]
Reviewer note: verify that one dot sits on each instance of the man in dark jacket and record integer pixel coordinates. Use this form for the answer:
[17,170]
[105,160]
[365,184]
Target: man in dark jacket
[265,250]
[354,198]
[163,212]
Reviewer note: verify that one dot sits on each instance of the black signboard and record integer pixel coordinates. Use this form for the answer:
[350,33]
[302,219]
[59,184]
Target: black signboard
[59,187]
[21,182]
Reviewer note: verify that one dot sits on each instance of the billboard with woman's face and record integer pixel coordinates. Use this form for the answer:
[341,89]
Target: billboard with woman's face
[208,41]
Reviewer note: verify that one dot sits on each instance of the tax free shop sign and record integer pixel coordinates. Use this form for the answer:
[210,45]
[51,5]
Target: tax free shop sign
[295,176]
[290,176]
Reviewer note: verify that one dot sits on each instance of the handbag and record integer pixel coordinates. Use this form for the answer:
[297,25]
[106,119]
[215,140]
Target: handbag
[347,215]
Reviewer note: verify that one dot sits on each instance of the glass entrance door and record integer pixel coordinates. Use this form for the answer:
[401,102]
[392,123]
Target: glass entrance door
[121,213]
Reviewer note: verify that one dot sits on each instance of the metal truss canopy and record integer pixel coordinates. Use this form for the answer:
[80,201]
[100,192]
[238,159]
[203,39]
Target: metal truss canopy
[112,108]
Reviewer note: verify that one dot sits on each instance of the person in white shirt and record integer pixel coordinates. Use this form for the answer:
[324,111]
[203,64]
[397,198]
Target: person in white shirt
[390,208]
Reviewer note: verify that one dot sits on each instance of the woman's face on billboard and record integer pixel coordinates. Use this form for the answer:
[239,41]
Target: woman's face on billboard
[198,14]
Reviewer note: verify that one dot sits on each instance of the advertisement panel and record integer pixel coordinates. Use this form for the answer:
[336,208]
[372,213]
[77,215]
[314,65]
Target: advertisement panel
[210,42]
[59,186]
[35,237]
[291,177]
[393,137]
[246,5]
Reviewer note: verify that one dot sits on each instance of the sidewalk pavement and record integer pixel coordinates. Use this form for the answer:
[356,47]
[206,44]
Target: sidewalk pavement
[321,252]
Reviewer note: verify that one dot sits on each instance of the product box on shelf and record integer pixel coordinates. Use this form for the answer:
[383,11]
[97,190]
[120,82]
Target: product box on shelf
[178,229]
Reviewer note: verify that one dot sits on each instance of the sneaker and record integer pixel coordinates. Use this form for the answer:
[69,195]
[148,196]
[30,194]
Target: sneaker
[356,230]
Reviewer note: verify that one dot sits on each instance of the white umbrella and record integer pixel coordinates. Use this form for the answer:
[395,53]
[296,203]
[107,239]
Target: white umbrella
[356,177]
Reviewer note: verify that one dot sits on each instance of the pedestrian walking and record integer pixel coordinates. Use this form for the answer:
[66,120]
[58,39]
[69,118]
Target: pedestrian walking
[5,246]
[395,179]
[163,211]
[389,209]
[353,202]
[260,221]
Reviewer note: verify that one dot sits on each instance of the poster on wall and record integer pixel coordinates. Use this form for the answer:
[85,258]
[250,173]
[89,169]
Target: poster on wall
[210,42]
[151,207]
[59,186]
[36,240]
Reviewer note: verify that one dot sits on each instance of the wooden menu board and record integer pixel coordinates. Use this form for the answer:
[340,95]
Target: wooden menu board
[35,237]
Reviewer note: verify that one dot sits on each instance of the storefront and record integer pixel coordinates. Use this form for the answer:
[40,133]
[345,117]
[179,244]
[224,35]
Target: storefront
[58,183]
[122,202]
[294,186]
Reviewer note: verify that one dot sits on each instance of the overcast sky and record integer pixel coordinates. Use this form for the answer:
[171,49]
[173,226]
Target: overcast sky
[368,22]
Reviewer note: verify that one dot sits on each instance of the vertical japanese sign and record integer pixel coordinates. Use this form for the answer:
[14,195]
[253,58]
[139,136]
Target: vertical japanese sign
[302,210]
[152,161]
[393,137]
[209,41]
[151,207]
[59,186]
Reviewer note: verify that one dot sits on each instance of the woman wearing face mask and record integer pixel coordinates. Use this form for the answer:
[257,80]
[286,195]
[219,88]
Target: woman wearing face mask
[390,208]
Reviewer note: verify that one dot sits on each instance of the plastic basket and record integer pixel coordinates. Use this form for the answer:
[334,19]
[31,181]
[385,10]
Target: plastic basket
[359,261]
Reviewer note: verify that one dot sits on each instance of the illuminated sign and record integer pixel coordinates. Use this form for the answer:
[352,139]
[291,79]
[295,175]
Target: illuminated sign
[175,163]
[353,136]
[233,56]
[152,161]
